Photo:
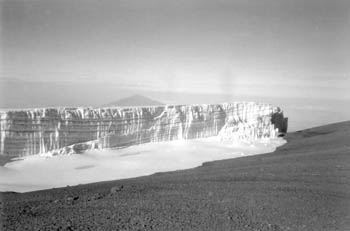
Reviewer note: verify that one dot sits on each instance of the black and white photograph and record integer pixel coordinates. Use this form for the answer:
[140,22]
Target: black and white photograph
[172,115]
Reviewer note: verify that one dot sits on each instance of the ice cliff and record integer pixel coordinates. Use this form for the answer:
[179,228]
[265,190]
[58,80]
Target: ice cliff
[74,130]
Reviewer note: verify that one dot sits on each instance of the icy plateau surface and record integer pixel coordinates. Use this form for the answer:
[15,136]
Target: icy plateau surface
[42,172]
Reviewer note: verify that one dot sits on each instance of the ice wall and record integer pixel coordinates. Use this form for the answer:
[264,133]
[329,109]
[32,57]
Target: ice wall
[74,130]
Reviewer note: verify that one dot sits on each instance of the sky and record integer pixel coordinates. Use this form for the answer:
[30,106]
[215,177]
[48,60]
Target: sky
[291,53]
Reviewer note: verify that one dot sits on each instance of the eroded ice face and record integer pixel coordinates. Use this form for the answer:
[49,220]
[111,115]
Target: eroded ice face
[40,172]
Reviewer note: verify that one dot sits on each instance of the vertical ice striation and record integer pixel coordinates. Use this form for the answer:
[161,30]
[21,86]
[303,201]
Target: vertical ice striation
[73,130]
[249,122]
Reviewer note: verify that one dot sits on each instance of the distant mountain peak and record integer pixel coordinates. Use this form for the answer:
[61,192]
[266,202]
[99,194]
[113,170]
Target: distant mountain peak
[135,100]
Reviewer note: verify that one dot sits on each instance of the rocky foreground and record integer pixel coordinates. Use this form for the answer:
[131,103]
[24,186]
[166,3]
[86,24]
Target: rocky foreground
[304,185]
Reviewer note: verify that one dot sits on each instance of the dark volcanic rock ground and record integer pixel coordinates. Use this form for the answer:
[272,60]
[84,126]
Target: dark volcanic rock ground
[304,185]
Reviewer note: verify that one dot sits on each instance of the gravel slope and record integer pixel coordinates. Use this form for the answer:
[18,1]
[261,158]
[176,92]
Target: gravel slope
[304,185]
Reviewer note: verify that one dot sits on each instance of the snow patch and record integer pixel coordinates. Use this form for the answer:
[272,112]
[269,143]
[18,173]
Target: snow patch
[46,171]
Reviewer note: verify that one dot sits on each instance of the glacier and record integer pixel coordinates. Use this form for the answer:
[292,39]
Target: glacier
[65,130]
[125,142]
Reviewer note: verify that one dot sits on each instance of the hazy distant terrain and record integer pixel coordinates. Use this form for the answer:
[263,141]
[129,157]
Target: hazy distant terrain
[305,112]
[135,100]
